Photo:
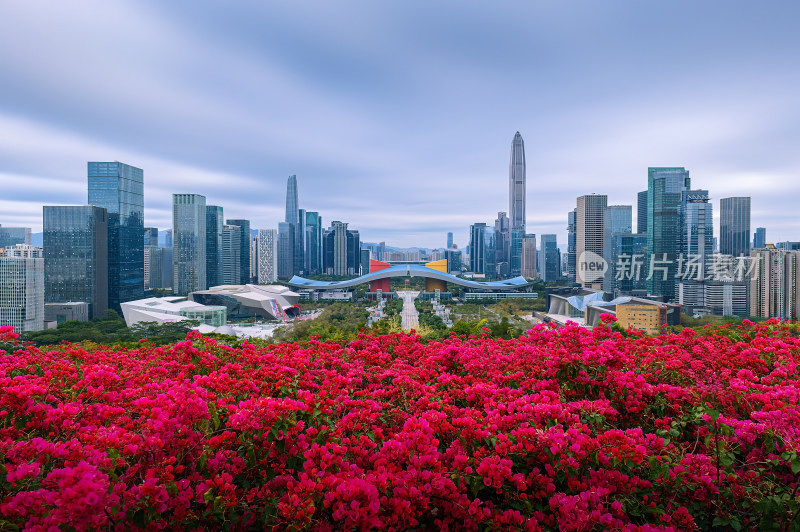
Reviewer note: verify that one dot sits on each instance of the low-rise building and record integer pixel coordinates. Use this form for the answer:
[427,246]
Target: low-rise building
[171,309]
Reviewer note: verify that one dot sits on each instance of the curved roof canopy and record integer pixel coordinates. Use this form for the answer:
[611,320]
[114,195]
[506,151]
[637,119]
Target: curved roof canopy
[409,270]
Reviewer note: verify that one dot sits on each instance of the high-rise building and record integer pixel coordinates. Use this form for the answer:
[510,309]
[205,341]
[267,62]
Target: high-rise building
[549,259]
[641,213]
[300,245]
[150,236]
[353,252]
[502,244]
[267,256]
[189,247]
[449,240]
[617,219]
[168,238]
[215,222]
[22,288]
[293,218]
[254,258]
[529,259]
[232,254]
[490,246]
[516,209]
[695,249]
[314,233]
[775,283]
[734,226]
[75,249]
[159,262]
[572,236]
[626,264]
[119,188]
[285,250]
[477,248]
[589,242]
[665,187]
[244,249]
[339,265]
[11,236]
[760,238]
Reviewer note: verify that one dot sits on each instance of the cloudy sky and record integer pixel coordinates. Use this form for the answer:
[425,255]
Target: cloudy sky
[398,116]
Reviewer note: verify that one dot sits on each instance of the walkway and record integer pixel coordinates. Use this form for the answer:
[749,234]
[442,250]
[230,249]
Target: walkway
[409,313]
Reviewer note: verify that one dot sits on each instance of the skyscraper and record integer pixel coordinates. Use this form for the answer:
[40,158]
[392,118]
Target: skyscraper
[119,188]
[11,236]
[22,288]
[150,236]
[232,254]
[775,283]
[293,218]
[589,241]
[449,240]
[477,248]
[617,219]
[549,259]
[529,270]
[572,235]
[314,233]
[502,244]
[339,247]
[244,249]
[75,241]
[695,248]
[760,238]
[267,256]
[189,243]
[516,210]
[285,250]
[665,187]
[641,213]
[214,254]
[734,226]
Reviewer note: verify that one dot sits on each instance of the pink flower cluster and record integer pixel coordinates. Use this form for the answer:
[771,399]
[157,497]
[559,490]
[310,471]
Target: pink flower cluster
[558,429]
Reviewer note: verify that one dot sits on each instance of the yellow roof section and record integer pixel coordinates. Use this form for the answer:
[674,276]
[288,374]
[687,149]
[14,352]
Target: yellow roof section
[439,265]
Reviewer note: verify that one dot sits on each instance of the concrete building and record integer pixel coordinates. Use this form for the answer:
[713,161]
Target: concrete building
[22,288]
[267,256]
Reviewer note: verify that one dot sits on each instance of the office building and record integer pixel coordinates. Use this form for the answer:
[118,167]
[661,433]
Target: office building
[617,219]
[734,226]
[641,213]
[477,248]
[214,254]
[489,244]
[293,218]
[626,265]
[665,187]
[159,267]
[341,250]
[189,245]
[572,256]
[168,238]
[75,250]
[775,283]
[267,256]
[285,250]
[449,240]
[589,242]
[502,244]
[760,238]
[11,236]
[516,202]
[695,250]
[254,258]
[22,288]
[150,237]
[549,259]
[232,254]
[119,188]
[529,258]
[244,249]
[313,241]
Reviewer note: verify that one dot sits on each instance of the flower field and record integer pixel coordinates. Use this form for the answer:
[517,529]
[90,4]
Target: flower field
[558,429]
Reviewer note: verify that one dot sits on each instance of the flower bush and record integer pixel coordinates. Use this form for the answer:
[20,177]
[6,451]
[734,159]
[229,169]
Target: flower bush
[558,429]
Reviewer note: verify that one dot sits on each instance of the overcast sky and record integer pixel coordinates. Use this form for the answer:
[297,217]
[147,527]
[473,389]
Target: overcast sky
[398,116]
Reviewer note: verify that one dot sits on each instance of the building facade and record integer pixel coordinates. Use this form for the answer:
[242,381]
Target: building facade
[214,255]
[244,249]
[589,239]
[11,236]
[695,250]
[477,248]
[232,254]
[641,213]
[22,288]
[529,259]
[549,259]
[189,243]
[760,238]
[774,287]
[516,203]
[665,186]
[572,242]
[75,250]
[734,226]
[285,250]
[618,219]
[314,232]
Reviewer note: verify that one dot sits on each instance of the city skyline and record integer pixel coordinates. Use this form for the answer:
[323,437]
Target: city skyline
[365,107]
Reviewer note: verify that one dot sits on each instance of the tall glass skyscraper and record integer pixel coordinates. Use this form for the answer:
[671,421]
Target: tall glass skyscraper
[516,210]
[760,238]
[617,219]
[293,218]
[734,226]
[214,254]
[244,249]
[477,248]
[189,243]
[589,242]
[665,187]
[502,244]
[119,188]
[75,242]
[641,213]
[549,259]
[314,234]
[695,248]
[572,234]
[232,254]
[285,250]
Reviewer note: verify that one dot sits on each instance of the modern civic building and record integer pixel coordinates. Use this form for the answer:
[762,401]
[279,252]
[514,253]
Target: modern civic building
[119,188]
[214,252]
[244,249]
[189,243]
[267,256]
[75,241]
[172,309]
[665,186]
[589,242]
[516,201]
[22,288]
[271,302]
[734,226]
